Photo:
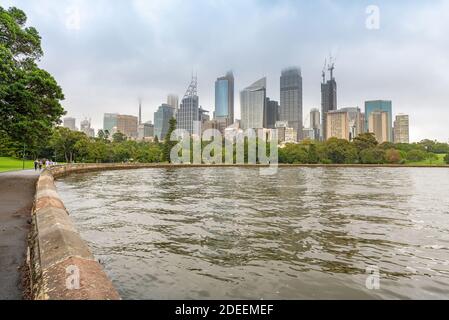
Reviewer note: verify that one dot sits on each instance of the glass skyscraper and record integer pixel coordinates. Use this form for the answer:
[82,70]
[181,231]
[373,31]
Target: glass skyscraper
[161,120]
[290,108]
[380,105]
[224,99]
[189,112]
[252,104]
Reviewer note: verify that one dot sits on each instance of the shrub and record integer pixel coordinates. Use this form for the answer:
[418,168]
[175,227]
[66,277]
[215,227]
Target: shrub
[393,156]
[446,158]
[372,156]
[416,155]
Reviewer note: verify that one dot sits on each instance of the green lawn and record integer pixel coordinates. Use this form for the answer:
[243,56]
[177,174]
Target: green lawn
[11,164]
[438,162]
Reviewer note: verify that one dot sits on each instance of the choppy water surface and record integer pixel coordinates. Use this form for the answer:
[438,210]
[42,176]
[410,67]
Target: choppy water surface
[207,233]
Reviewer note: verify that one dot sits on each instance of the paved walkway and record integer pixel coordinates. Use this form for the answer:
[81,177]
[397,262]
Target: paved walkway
[16,200]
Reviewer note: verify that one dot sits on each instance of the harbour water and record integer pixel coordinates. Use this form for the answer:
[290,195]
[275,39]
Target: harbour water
[231,233]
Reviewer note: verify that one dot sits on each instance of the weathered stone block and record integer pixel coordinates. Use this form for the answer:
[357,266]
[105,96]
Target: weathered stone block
[59,244]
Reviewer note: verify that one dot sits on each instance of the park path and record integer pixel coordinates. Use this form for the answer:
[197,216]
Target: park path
[17,191]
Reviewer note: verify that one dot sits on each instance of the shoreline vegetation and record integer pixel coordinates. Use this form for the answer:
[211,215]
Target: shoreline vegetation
[136,165]
[68,146]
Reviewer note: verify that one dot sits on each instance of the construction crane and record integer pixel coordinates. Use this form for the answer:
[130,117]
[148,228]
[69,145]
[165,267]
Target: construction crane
[323,73]
[331,66]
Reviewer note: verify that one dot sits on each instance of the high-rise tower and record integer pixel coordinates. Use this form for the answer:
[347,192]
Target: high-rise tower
[252,105]
[224,100]
[188,113]
[290,108]
[328,96]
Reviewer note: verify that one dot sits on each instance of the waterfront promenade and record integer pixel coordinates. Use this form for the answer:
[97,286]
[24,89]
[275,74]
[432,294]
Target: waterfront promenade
[17,191]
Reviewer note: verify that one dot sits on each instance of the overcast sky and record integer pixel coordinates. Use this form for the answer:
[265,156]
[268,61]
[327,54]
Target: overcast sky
[107,53]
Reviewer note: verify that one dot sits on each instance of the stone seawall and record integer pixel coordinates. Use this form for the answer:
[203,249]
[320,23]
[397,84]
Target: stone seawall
[62,266]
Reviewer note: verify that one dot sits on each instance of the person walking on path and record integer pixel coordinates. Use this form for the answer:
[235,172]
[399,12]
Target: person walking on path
[40,164]
[36,163]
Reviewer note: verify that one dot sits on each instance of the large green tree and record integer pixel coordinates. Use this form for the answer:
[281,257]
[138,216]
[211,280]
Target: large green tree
[29,96]
[168,144]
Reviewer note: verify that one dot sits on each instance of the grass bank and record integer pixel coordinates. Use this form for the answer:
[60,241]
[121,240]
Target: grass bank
[12,164]
[439,162]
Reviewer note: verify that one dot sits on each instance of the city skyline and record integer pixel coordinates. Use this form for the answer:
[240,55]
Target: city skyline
[371,64]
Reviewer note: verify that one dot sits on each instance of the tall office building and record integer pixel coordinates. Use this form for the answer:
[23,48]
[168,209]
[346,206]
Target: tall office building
[110,121]
[271,114]
[315,123]
[189,113]
[70,123]
[328,98]
[173,101]
[378,123]
[345,123]
[380,105]
[290,108]
[252,105]
[337,124]
[162,120]
[401,129]
[355,122]
[127,125]
[224,100]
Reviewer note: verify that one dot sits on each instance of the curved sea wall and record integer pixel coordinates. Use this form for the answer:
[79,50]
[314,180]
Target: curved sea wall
[62,266]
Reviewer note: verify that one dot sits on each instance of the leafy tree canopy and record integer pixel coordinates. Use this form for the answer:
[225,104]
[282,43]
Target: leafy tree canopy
[29,96]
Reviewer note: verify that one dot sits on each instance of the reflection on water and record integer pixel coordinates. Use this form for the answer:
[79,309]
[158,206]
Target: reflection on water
[207,233]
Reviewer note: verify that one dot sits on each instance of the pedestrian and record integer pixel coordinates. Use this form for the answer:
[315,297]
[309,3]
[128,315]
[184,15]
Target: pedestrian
[40,164]
[36,163]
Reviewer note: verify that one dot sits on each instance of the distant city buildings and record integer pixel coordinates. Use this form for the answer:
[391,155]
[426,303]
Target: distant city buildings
[401,129]
[126,124]
[85,126]
[328,98]
[224,101]
[290,108]
[308,133]
[379,106]
[70,123]
[252,105]
[161,120]
[262,114]
[344,123]
[286,134]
